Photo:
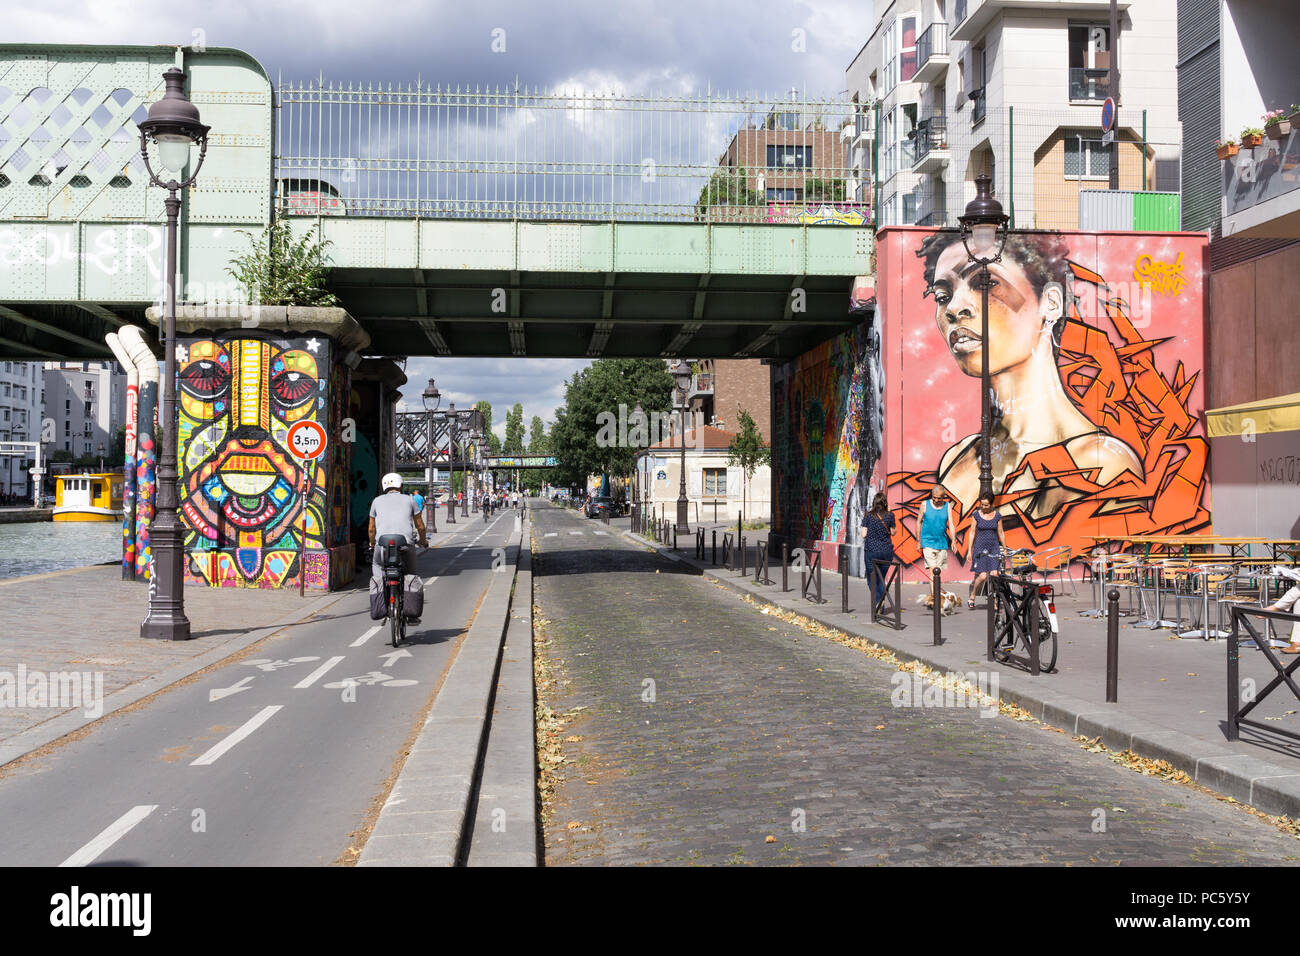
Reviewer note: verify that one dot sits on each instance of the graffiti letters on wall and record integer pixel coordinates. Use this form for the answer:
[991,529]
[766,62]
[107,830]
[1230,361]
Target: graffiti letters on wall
[250,508]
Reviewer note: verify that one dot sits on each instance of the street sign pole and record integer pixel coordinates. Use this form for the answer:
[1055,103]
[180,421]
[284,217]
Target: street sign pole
[307,442]
[1114,94]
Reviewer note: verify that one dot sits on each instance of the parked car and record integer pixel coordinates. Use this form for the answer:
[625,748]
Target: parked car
[598,506]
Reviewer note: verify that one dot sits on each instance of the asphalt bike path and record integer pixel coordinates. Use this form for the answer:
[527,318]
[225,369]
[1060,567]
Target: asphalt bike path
[276,758]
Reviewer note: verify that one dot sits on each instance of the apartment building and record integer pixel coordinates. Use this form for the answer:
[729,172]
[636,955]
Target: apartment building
[1237,63]
[21,388]
[721,388]
[948,89]
[85,402]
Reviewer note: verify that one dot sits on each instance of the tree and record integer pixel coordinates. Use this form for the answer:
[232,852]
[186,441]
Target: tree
[538,442]
[729,186]
[278,271]
[514,443]
[493,442]
[748,452]
[591,403]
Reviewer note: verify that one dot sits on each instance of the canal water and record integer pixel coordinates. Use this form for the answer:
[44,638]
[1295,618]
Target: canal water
[36,546]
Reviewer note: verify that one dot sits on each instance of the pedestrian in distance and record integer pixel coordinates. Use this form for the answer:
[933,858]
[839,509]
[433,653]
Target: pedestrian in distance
[937,529]
[988,544]
[877,541]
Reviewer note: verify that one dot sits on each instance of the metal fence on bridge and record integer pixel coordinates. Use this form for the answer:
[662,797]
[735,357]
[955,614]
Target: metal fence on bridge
[529,154]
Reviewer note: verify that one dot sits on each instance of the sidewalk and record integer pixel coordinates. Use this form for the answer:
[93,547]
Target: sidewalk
[1172,692]
[87,620]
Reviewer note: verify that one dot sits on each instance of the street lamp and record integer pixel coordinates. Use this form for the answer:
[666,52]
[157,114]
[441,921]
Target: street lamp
[682,375]
[984,233]
[173,127]
[638,415]
[451,463]
[101,456]
[432,398]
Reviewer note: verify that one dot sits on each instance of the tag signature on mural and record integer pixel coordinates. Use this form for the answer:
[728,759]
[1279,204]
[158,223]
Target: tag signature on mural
[1162,278]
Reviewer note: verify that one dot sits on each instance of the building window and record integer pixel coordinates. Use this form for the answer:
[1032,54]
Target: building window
[782,195]
[89,411]
[789,157]
[67,407]
[67,428]
[1085,156]
[6,389]
[715,481]
[1089,61]
[900,48]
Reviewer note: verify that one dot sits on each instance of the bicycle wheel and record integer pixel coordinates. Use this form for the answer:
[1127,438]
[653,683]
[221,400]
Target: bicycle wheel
[394,621]
[1046,645]
[1004,632]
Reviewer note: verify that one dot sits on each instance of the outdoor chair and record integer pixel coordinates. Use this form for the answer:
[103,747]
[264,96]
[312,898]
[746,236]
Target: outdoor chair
[1055,561]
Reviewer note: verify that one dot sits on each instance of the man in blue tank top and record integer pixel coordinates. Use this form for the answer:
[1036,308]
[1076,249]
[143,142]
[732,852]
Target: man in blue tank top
[937,529]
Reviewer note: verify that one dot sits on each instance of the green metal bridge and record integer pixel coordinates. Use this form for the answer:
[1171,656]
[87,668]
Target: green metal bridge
[483,223]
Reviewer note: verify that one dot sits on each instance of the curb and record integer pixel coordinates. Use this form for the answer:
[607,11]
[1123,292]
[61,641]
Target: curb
[505,819]
[427,815]
[1265,786]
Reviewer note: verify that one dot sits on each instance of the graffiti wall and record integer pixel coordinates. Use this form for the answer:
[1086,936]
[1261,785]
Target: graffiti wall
[255,515]
[827,437]
[1096,351]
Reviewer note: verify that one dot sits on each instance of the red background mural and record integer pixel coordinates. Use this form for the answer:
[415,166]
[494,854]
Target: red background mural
[1114,446]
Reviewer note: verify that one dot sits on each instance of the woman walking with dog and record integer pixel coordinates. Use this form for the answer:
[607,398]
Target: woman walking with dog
[987,546]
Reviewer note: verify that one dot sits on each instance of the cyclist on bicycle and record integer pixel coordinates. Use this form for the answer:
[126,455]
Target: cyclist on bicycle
[393,513]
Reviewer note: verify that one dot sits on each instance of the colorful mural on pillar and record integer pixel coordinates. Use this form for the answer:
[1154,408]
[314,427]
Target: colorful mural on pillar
[1096,352]
[255,515]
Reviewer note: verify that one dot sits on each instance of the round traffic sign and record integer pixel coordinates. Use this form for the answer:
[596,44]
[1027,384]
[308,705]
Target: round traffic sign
[1108,115]
[307,440]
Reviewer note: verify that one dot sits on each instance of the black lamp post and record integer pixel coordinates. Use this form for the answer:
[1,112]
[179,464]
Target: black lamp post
[638,415]
[101,456]
[984,233]
[451,463]
[173,126]
[682,375]
[432,398]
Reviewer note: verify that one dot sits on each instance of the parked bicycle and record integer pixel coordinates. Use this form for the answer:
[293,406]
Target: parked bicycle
[1027,618]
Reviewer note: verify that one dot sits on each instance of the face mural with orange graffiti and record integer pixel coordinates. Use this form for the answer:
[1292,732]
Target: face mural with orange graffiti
[247,503]
[1094,355]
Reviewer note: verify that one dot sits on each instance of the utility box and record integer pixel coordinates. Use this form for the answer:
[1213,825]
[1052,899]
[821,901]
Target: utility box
[1118,210]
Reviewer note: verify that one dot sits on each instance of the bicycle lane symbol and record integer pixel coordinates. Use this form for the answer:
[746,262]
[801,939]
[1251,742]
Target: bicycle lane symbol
[372,679]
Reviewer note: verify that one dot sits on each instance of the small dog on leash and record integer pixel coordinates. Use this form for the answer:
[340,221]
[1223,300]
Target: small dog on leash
[948,602]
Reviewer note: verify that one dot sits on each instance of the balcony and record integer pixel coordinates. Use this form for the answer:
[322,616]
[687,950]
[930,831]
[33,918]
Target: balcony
[932,53]
[978,106]
[931,152]
[701,384]
[1089,84]
[1261,187]
[972,17]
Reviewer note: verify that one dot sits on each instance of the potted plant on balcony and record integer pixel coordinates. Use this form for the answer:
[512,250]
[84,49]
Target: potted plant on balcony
[1295,115]
[1226,149]
[1251,137]
[1277,124]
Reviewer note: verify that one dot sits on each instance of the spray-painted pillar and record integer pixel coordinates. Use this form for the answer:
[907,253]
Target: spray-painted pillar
[146,454]
[253,515]
[128,458]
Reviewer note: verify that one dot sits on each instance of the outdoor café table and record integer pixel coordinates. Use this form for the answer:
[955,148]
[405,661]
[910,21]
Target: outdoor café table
[1155,572]
[1099,572]
[1204,572]
[1283,546]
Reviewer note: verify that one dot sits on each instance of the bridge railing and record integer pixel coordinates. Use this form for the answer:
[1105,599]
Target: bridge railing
[528,154]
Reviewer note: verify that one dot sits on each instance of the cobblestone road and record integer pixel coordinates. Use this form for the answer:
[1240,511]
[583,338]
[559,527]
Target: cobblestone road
[757,726]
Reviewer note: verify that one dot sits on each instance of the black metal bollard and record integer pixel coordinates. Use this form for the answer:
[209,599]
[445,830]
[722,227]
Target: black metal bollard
[715,547]
[741,539]
[1112,646]
[785,566]
[844,578]
[938,606]
[674,537]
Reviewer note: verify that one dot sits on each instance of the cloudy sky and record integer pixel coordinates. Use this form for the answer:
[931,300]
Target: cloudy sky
[763,47]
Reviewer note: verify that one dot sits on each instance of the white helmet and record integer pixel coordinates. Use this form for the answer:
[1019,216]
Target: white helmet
[391,480]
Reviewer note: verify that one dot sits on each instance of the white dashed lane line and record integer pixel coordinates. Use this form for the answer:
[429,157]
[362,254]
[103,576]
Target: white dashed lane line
[262,716]
[114,832]
[316,675]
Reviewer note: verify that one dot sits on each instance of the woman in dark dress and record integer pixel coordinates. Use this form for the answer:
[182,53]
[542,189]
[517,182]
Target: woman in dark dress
[988,537]
[877,539]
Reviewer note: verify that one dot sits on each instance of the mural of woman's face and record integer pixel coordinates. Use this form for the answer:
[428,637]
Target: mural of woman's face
[1019,319]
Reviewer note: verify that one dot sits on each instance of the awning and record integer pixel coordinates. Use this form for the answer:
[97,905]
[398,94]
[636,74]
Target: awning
[1278,414]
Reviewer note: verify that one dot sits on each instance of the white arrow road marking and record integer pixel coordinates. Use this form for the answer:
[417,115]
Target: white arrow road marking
[599,534]
[392,657]
[550,534]
[262,716]
[316,674]
[367,636]
[235,688]
[115,831]
[575,532]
